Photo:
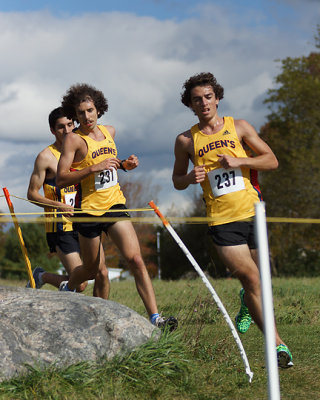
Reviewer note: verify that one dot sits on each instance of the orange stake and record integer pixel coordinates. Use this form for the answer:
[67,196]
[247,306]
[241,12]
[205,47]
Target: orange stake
[21,241]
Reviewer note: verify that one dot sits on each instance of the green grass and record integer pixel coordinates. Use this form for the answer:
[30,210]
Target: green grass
[200,360]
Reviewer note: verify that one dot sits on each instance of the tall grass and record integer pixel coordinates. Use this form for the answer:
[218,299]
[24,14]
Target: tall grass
[200,360]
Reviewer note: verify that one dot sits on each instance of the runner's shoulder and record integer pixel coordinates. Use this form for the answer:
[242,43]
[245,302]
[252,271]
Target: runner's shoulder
[45,157]
[184,137]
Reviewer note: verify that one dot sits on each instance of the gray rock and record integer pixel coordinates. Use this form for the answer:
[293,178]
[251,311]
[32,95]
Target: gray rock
[42,327]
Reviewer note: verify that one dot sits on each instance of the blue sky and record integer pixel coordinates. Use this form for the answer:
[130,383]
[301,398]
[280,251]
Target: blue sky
[161,9]
[138,53]
[281,12]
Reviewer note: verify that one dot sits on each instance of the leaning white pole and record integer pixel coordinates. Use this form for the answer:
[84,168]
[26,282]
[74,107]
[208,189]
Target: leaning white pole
[209,286]
[267,302]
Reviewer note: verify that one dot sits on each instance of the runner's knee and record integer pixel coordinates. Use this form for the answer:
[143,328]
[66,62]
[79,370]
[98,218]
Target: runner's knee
[102,273]
[136,262]
[250,281]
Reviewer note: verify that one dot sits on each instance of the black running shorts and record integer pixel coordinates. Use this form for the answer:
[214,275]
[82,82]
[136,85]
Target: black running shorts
[68,242]
[94,229]
[234,234]
[52,239]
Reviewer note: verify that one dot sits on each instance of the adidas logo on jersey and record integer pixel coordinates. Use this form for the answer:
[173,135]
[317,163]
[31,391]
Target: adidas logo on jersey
[226,133]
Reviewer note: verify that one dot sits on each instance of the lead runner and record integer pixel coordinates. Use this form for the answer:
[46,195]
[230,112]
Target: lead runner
[216,147]
[89,159]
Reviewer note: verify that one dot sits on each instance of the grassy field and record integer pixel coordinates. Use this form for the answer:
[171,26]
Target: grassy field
[200,360]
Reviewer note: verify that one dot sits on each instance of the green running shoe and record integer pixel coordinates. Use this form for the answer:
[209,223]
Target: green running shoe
[284,356]
[243,318]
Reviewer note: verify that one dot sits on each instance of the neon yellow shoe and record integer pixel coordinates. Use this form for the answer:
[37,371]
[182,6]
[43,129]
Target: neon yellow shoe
[243,318]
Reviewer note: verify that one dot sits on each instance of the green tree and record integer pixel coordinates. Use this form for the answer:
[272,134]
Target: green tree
[12,262]
[2,236]
[292,131]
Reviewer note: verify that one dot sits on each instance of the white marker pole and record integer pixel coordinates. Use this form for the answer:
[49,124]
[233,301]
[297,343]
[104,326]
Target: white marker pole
[267,302]
[209,286]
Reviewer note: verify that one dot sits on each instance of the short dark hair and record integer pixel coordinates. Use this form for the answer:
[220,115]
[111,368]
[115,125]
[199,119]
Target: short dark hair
[80,92]
[55,115]
[202,79]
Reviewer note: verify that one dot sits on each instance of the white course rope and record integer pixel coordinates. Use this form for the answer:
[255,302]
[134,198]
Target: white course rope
[209,286]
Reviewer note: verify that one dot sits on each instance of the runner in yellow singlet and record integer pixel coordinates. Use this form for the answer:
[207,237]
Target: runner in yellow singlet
[89,159]
[61,237]
[215,146]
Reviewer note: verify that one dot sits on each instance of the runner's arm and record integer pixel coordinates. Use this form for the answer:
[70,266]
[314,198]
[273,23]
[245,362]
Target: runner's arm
[37,179]
[264,159]
[71,144]
[180,176]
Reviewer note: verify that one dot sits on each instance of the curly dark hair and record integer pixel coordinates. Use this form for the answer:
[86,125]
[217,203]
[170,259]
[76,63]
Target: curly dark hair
[80,92]
[202,79]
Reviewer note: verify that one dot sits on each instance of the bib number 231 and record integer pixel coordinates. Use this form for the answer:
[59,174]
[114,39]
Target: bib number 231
[105,179]
[225,181]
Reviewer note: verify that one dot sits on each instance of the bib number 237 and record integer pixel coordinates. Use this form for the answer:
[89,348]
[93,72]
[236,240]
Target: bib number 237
[225,181]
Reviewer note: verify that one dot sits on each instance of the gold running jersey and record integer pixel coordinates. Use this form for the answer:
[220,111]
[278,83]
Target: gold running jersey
[229,194]
[99,191]
[66,195]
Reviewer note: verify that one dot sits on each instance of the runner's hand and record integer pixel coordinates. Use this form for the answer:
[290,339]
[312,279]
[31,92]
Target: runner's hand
[197,175]
[66,208]
[131,162]
[227,161]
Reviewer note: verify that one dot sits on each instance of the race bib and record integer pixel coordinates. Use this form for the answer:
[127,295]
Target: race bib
[70,198]
[224,181]
[105,179]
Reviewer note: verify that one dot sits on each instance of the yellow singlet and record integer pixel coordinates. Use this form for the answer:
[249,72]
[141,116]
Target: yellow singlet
[66,195]
[228,193]
[98,192]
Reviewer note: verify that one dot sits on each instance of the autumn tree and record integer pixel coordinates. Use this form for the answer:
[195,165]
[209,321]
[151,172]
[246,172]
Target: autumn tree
[293,132]
[174,263]
[138,193]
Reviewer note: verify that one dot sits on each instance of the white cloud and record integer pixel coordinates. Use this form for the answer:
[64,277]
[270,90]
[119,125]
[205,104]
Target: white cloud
[140,63]
[16,165]
[175,205]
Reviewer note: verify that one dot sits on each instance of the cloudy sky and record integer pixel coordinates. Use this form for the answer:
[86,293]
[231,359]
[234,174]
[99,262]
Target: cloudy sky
[139,53]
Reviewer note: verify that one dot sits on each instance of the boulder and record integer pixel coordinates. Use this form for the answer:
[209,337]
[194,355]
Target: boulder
[42,327]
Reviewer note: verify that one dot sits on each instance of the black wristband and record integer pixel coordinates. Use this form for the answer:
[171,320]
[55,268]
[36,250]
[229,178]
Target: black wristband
[121,165]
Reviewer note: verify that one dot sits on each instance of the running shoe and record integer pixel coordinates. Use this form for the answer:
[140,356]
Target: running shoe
[170,323]
[64,287]
[37,280]
[284,356]
[243,318]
